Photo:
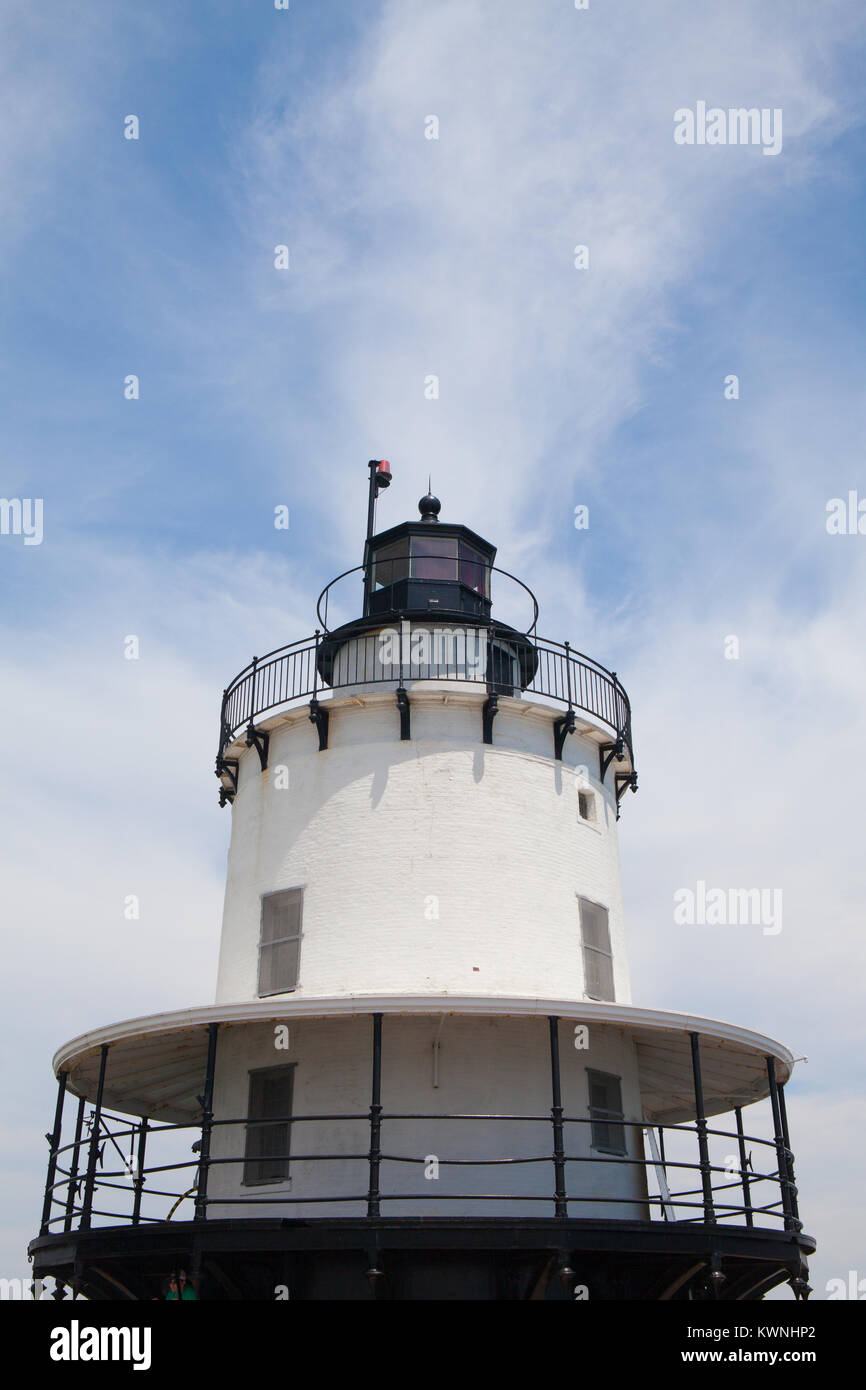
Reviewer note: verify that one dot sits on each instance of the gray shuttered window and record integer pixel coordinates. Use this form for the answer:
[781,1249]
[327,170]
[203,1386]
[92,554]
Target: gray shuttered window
[280,942]
[597,956]
[605,1110]
[266,1157]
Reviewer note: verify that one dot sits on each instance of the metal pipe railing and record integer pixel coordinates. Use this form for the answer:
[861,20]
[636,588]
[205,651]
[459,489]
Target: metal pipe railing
[715,1179]
[291,673]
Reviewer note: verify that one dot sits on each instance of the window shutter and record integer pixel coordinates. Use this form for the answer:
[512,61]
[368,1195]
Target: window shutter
[268,1130]
[605,1109]
[280,945]
[597,956]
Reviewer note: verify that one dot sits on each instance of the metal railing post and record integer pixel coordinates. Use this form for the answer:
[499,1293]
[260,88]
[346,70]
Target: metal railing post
[138,1181]
[701,1123]
[781,1149]
[375,1119]
[795,1206]
[560,1195]
[225,735]
[741,1144]
[206,1125]
[93,1153]
[252,704]
[54,1140]
[73,1166]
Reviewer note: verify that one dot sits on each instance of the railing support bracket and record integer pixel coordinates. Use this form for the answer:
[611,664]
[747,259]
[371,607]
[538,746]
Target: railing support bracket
[321,718]
[488,714]
[260,740]
[227,767]
[606,754]
[622,782]
[405,715]
[561,728]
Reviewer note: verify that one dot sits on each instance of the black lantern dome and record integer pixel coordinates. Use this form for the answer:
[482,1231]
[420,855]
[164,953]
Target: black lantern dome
[427,567]
[432,571]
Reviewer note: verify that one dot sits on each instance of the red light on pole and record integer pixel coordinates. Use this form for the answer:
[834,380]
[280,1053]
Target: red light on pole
[380,476]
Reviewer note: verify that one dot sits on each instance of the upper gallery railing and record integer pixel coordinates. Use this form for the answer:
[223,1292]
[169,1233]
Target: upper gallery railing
[552,670]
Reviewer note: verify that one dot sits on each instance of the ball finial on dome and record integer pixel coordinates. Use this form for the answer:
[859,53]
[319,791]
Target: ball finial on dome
[429,507]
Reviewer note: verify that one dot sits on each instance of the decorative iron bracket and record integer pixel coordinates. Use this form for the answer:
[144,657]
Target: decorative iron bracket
[403,707]
[623,780]
[375,1272]
[717,1276]
[261,740]
[228,767]
[320,717]
[799,1280]
[564,1270]
[488,714]
[606,754]
[562,727]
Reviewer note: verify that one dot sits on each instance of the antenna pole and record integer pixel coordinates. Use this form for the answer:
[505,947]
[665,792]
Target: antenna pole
[380,476]
[374,492]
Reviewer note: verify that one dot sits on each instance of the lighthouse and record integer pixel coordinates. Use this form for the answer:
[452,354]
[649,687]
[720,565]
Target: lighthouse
[423,1075]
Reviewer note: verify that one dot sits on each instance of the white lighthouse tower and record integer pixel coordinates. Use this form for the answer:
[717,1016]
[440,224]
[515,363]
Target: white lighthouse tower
[423,1075]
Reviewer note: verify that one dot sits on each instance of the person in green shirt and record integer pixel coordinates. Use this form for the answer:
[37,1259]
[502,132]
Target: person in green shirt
[180,1287]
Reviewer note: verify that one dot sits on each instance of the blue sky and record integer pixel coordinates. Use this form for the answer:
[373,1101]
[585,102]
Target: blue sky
[557,387]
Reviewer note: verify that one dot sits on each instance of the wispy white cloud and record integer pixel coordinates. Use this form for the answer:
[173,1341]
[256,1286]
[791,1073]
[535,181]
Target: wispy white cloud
[455,257]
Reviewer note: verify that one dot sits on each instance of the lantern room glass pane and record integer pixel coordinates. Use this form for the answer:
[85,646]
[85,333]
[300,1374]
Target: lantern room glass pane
[473,569]
[434,557]
[391,563]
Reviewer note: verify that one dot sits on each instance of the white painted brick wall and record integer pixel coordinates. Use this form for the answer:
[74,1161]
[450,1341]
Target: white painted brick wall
[373,828]
[486,1065]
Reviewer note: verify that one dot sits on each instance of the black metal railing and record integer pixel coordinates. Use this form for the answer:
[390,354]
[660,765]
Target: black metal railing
[70,1202]
[292,673]
[372,578]
[734,1191]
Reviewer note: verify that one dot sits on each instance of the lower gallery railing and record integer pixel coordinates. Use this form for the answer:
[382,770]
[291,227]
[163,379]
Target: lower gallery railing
[683,1183]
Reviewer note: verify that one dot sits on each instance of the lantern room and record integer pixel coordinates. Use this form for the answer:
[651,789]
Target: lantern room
[427,567]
